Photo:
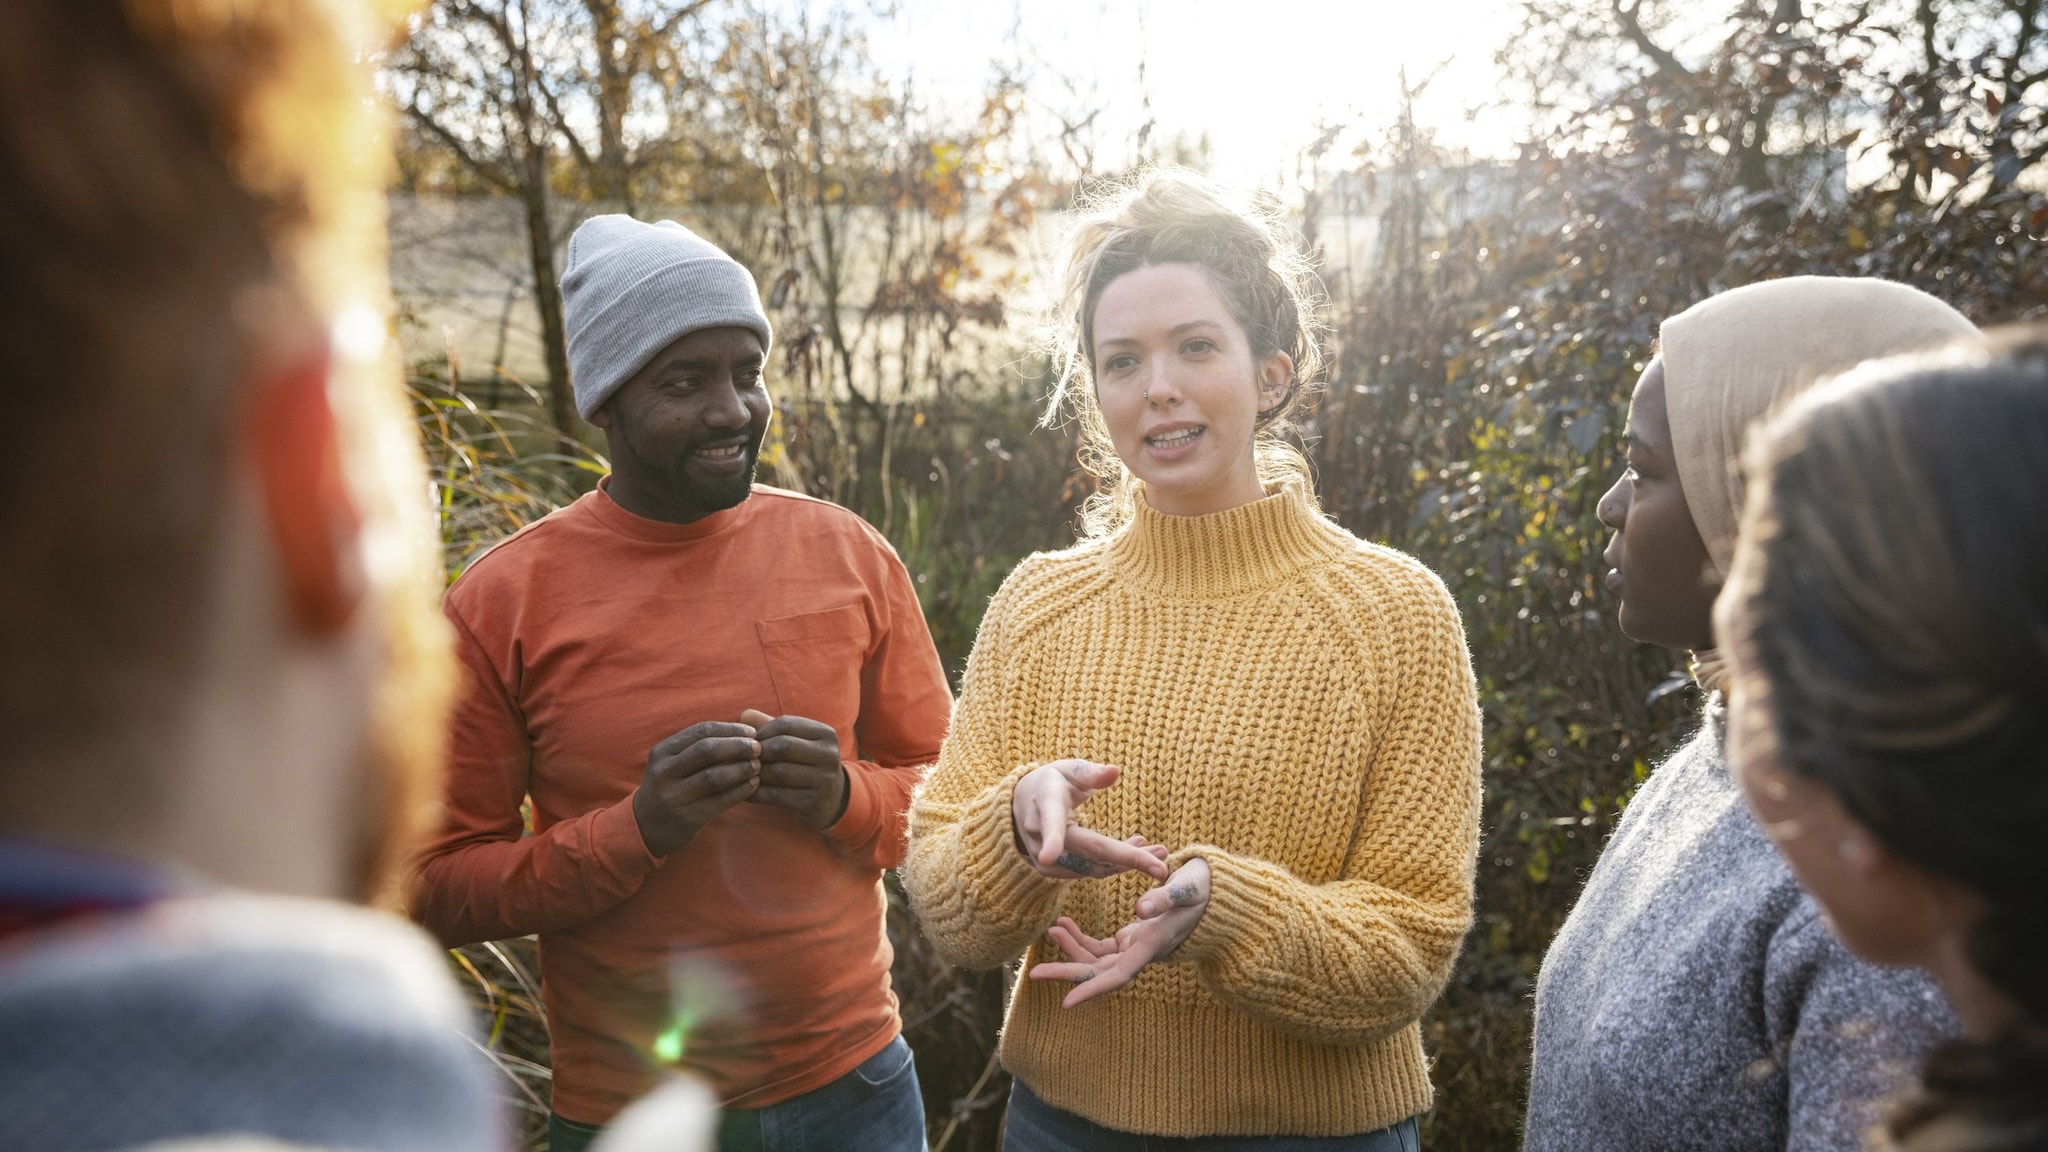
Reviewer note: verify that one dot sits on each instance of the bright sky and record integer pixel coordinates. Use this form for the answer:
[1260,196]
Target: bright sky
[1255,75]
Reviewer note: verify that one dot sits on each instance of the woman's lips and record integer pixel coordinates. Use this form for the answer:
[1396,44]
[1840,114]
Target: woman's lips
[1613,580]
[1174,443]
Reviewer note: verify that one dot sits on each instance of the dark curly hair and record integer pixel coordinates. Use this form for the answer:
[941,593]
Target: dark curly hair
[1890,608]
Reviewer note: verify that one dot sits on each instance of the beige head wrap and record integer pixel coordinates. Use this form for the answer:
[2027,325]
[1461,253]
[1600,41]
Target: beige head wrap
[1735,358]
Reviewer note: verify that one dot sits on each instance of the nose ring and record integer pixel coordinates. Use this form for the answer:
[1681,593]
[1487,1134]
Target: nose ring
[1148,396]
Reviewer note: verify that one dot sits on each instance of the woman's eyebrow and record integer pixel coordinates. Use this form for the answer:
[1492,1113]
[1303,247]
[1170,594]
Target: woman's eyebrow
[1177,330]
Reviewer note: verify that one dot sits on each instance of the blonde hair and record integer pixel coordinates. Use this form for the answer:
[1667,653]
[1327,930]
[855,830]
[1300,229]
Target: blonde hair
[1254,261]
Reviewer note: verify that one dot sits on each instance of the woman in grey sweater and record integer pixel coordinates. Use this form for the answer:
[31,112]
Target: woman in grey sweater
[1887,624]
[1695,999]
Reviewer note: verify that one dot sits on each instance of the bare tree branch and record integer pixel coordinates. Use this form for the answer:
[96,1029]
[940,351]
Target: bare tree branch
[1632,27]
[560,123]
[662,29]
[455,144]
[498,22]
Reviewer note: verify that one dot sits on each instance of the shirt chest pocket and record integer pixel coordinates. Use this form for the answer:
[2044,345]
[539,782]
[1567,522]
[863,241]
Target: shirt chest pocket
[815,659]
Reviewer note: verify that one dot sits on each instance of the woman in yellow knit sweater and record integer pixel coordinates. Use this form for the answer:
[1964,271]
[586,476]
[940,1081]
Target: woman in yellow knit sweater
[1214,771]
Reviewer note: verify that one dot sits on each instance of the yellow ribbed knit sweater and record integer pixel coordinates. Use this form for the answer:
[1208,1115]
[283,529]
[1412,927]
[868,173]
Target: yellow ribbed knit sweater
[1291,704]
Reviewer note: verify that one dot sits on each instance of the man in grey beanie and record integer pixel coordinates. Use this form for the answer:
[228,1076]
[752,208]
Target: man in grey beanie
[716,697]
[633,290]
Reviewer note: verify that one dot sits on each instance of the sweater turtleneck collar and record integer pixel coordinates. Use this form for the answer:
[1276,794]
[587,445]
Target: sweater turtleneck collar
[1225,553]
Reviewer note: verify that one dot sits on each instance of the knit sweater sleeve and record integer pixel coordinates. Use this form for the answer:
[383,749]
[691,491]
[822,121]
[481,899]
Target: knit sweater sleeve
[1851,1034]
[1356,959]
[979,901]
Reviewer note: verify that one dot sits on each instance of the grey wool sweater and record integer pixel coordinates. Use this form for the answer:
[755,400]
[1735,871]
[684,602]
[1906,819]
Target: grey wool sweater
[1695,999]
[218,1017]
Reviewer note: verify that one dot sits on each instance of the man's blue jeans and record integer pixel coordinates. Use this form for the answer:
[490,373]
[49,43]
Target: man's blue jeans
[874,1108]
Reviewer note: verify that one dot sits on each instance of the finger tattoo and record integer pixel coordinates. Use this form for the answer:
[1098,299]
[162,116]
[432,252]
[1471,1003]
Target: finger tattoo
[1181,895]
[1075,862]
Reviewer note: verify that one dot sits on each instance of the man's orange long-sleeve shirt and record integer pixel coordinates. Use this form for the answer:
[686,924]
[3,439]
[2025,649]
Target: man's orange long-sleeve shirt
[586,639]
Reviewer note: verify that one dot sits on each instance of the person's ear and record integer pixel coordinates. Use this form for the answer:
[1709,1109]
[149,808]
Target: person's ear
[1276,376]
[1861,851]
[289,433]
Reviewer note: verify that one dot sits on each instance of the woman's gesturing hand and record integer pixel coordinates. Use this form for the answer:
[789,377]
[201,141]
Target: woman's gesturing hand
[1042,815]
[1166,915]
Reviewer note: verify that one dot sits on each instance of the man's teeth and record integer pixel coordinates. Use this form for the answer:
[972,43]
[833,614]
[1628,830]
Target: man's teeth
[726,453]
[1175,439]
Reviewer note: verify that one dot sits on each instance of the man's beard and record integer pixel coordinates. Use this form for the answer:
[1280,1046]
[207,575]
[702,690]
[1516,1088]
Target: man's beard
[715,495]
[703,496]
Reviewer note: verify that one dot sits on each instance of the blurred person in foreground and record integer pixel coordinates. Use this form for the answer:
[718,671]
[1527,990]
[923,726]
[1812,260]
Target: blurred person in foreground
[1887,625]
[1694,999]
[1215,769]
[220,671]
[717,697]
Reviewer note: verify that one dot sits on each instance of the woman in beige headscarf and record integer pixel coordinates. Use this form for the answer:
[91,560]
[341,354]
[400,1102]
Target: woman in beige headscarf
[1694,998]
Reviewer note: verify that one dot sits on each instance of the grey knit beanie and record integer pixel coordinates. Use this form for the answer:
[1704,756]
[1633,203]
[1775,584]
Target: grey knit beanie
[632,289]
